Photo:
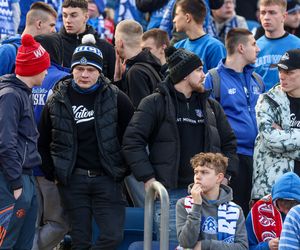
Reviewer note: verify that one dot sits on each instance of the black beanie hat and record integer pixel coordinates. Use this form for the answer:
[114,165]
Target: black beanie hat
[181,63]
[87,53]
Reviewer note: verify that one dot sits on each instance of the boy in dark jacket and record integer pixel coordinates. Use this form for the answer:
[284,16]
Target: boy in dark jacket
[18,146]
[208,219]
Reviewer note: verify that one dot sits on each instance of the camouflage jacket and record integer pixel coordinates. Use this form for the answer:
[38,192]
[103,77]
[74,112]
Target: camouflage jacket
[275,150]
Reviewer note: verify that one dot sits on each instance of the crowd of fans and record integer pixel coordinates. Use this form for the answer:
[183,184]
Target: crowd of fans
[100,99]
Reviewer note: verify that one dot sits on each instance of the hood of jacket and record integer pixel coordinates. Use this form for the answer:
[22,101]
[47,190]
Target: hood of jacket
[15,39]
[13,82]
[287,187]
[224,196]
[146,57]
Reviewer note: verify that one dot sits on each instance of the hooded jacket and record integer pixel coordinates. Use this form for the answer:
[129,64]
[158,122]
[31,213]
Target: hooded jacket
[275,150]
[140,81]
[154,124]
[239,108]
[287,187]
[18,132]
[71,41]
[191,226]
[8,53]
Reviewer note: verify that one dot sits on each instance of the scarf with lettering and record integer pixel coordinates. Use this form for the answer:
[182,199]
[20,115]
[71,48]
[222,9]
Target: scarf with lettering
[266,220]
[228,215]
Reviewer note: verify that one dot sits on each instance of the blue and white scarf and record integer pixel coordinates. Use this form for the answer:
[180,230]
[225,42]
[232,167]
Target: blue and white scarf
[227,216]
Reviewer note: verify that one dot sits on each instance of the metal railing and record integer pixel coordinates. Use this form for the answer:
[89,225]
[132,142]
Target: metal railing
[156,187]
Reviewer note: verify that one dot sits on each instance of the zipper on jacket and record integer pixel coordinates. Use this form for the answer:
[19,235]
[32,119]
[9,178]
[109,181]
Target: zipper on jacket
[25,152]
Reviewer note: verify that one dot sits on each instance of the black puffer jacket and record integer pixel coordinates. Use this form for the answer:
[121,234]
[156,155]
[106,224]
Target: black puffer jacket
[154,124]
[71,41]
[58,139]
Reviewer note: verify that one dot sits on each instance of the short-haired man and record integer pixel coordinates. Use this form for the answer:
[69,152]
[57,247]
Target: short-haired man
[143,68]
[75,17]
[157,40]
[207,218]
[176,122]
[277,146]
[276,40]
[224,19]
[189,18]
[238,93]
[40,19]
[81,130]
[18,146]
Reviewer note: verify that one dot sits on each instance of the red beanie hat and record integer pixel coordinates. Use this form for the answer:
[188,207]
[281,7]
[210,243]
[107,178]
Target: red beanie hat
[32,59]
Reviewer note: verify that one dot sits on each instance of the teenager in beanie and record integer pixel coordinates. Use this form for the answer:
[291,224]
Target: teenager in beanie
[18,146]
[81,131]
[176,122]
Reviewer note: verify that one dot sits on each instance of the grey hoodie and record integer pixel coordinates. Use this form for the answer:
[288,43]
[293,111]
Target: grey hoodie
[188,224]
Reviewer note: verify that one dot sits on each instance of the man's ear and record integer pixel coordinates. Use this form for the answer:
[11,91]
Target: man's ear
[241,48]
[220,177]
[188,17]
[38,24]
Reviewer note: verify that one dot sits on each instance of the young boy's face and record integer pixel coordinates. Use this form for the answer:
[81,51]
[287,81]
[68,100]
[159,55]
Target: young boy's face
[207,178]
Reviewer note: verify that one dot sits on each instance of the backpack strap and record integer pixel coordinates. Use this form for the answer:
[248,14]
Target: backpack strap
[216,83]
[258,79]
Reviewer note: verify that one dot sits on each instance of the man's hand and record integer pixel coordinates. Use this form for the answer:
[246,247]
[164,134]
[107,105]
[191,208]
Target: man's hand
[276,126]
[120,68]
[273,244]
[196,192]
[17,193]
[148,183]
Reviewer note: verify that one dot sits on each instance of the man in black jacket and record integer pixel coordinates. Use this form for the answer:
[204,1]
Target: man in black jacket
[75,16]
[176,122]
[143,68]
[81,132]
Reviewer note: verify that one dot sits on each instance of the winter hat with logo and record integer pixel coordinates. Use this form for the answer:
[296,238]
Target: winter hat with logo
[87,54]
[32,59]
[290,60]
[181,63]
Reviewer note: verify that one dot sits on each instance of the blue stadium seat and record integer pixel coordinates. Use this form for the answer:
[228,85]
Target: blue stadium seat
[133,228]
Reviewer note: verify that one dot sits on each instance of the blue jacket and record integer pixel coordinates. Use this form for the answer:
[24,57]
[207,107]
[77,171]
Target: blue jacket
[8,53]
[286,187]
[41,94]
[239,109]
[18,132]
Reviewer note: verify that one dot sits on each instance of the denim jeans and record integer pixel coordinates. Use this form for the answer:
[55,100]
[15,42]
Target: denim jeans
[101,198]
[174,196]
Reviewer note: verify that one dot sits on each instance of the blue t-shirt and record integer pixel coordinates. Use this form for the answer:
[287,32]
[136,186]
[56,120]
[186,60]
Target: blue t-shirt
[270,53]
[209,49]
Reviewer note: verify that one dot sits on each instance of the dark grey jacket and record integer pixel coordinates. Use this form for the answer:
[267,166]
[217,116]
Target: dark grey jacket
[18,132]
